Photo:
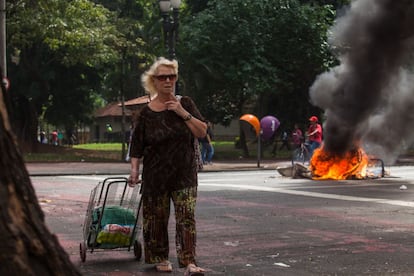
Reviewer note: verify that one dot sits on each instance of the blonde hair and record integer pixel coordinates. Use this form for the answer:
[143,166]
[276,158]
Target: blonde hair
[147,77]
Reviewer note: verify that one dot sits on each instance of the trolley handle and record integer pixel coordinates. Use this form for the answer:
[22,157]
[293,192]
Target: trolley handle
[117,179]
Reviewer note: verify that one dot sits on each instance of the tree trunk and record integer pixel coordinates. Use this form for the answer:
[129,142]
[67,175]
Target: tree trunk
[26,245]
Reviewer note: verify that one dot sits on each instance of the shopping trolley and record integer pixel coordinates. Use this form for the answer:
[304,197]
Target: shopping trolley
[111,220]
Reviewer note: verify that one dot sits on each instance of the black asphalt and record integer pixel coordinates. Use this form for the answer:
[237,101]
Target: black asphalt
[255,232]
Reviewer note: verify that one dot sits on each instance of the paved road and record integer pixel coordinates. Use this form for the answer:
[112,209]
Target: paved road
[257,222]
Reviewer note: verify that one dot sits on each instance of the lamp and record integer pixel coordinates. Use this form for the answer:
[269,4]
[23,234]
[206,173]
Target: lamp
[170,24]
[175,4]
[165,6]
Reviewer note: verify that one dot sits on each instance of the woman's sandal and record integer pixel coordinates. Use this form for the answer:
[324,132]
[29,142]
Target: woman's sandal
[164,266]
[193,270]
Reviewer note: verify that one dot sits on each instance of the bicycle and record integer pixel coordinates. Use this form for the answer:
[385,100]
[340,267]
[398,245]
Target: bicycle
[301,154]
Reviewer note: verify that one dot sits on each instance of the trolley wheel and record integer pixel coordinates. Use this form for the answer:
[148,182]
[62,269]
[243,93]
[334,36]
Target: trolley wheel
[137,250]
[82,250]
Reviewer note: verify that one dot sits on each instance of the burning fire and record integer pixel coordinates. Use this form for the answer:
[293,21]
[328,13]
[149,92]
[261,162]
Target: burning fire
[352,165]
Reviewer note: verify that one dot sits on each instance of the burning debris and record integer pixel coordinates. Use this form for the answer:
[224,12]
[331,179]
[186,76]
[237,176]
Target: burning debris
[355,164]
[352,164]
[368,97]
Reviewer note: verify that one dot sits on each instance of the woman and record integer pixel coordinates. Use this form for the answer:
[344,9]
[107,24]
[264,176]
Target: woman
[164,138]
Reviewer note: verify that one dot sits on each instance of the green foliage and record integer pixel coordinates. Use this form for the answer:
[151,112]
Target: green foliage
[68,52]
[137,43]
[59,48]
[76,31]
[236,52]
[256,56]
[197,5]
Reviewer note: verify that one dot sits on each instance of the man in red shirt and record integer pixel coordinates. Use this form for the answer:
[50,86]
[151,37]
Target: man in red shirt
[314,134]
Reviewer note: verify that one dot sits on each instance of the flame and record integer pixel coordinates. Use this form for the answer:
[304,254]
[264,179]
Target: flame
[352,165]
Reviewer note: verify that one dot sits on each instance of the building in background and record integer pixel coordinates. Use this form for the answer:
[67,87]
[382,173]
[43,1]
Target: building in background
[111,115]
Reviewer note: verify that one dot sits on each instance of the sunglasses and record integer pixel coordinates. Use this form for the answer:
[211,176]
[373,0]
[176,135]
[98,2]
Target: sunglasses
[172,77]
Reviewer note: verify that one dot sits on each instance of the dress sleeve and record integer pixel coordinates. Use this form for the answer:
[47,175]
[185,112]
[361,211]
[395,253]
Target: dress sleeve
[137,141]
[191,107]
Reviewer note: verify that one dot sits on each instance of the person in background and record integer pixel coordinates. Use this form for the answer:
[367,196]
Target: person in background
[163,140]
[207,149]
[72,140]
[297,136]
[60,137]
[314,134]
[54,138]
[42,137]
[108,132]
[285,140]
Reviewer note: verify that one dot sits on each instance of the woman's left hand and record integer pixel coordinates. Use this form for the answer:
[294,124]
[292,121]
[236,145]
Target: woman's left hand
[133,179]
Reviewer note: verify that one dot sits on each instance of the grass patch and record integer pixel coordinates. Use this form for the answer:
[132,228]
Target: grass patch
[55,157]
[112,152]
[100,146]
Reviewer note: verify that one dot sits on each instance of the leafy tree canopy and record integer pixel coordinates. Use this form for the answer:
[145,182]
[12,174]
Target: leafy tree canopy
[67,54]
[240,51]
[77,31]
[255,56]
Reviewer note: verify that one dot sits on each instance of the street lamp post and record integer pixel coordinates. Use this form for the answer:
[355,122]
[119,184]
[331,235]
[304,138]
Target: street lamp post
[170,24]
[3,63]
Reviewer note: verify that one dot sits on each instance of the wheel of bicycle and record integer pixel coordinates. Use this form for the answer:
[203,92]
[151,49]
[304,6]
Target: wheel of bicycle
[306,152]
[298,156]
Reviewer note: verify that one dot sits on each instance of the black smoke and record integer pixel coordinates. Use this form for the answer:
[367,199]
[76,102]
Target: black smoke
[369,98]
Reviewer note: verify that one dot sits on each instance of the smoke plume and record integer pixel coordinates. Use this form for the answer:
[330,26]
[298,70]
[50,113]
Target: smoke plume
[369,98]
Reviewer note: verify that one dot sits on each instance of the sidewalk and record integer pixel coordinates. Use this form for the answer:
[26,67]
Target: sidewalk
[102,168]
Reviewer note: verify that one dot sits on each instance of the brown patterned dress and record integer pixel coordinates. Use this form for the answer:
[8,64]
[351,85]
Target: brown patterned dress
[169,172]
